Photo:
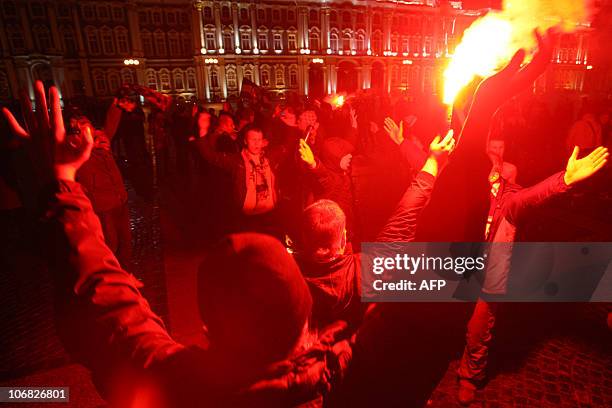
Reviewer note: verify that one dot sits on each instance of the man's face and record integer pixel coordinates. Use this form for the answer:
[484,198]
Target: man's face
[496,148]
[226,124]
[288,117]
[127,105]
[254,142]
[304,121]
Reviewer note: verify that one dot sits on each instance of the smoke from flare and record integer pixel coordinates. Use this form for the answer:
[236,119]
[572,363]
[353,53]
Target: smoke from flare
[490,41]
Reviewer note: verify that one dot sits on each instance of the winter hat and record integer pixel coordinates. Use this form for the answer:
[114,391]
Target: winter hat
[334,149]
[253,298]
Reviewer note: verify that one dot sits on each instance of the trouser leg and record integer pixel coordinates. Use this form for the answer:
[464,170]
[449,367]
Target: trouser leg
[478,339]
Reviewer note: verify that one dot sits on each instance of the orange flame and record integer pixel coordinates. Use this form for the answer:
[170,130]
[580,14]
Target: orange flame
[490,41]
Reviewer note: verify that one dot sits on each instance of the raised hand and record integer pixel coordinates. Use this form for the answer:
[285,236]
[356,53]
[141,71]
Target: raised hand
[395,132]
[345,162]
[513,79]
[52,152]
[439,146]
[306,154]
[580,169]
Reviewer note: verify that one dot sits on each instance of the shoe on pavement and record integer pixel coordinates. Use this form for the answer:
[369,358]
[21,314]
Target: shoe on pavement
[467,392]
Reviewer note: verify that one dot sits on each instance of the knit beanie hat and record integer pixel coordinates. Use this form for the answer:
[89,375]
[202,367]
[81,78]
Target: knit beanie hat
[253,298]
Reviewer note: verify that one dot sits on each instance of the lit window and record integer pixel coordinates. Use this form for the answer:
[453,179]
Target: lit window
[191,78]
[278,41]
[108,45]
[293,77]
[152,79]
[245,41]
[179,81]
[334,42]
[164,79]
[263,41]
[265,77]
[279,76]
[210,40]
[227,41]
[314,41]
[291,41]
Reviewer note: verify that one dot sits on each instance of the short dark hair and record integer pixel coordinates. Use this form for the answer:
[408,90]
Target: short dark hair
[323,226]
[250,128]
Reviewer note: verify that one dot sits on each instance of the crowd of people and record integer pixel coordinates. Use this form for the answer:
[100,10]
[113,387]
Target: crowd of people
[278,186]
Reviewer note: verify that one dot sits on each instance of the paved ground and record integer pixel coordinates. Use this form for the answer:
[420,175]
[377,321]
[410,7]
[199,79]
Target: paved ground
[544,357]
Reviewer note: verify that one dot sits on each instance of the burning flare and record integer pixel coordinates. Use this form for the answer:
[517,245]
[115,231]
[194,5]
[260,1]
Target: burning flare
[489,43]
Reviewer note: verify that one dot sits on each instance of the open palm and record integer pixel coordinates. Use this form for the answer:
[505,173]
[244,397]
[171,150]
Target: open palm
[580,169]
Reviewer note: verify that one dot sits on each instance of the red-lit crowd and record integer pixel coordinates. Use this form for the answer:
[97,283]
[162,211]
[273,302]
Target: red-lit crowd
[281,190]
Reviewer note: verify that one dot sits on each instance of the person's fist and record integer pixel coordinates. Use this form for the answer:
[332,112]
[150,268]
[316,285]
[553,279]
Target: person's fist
[306,154]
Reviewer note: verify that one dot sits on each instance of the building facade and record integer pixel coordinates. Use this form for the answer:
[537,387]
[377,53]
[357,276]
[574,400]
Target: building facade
[206,48]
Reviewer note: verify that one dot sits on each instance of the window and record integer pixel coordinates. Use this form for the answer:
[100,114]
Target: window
[171,17]
[376,19]
[151,79]
[127,76]
[360,42]
[265,76]
[16,38]
[293,76]
[395,43]
[37,9]
[9,9]
[63,10]
[184,18]
[207,13]
[191,79]
[164,80]
[108,45]
[214,78]
[248,73]
[160,44]
[313,16]
[103,13]
[88,12]
[186,41]
[415,45]
[227,41]
[314,42]
[147,43]
[346,42]
[276,15]
[291,15]
[230,76]
[99,82]
[42,36]
[4,86]
[174,44]
[278,41]
[179,80]
[244,14]
[245,41]
[346,17]
[360,18]
[157,17]
[114,81]
[405,44]
[225,13]
[428,46]
[210,40]
[334,42]
[333,16]
[121,37]
[261,15]
[92,40]
[117,14]
[377,42]
[69,41]
[143,17]
[279,76]
[263,41]
[292,41]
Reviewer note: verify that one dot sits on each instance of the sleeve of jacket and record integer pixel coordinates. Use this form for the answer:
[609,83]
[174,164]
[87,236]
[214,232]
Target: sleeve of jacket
[102,318]
[401,227]
[224,161]
[322,177]
[111,124]
[527,198]
[412,154]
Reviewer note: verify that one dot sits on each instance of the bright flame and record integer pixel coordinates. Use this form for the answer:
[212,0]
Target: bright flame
[490,41]
[336,100]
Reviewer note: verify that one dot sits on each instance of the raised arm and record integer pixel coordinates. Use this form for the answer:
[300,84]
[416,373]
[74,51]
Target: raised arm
[576,171]
[102,317]
[225,161]
[401,226]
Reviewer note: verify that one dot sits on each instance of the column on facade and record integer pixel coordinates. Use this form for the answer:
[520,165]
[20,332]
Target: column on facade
[305,17]
[303,66]
[239,74]
[300,29]
[8,62]
[218,34]
[236,29]
[256,72]
[134,28]
[387,31]
[25,25]
[24,75]
[387,76]
[327,85]
[57,42]
[82,53]
[325,28]
[580,52]
[222,81]
[57,70]
[254,39]
[368,29]
[206,75]
[366,76]
[198,29]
